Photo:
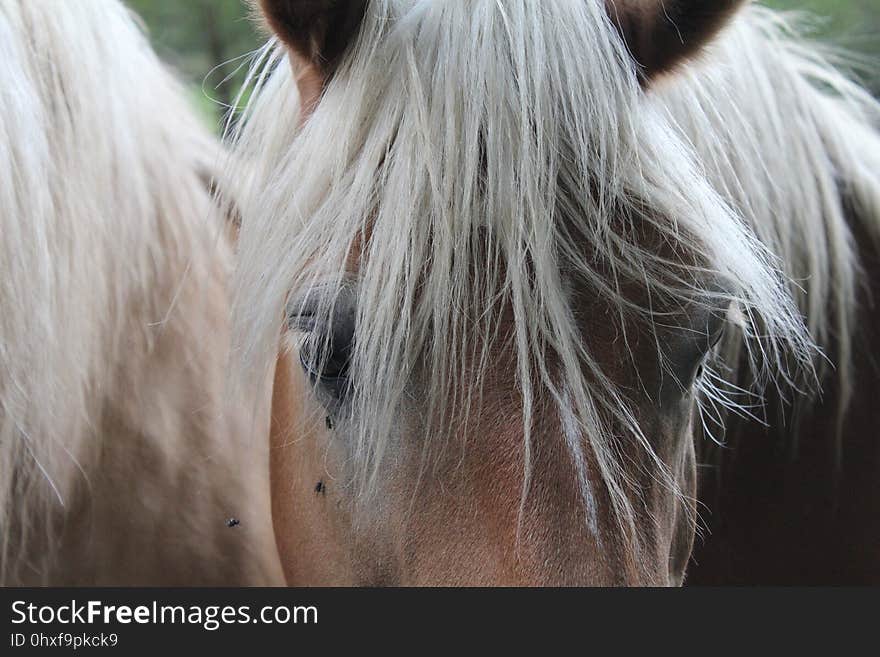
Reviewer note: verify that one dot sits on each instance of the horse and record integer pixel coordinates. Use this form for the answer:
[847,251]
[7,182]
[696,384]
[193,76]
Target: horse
[511,267]
[793,145]
[122,461]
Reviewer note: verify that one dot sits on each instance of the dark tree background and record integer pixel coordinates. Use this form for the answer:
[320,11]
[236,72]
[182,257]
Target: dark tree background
[206,39]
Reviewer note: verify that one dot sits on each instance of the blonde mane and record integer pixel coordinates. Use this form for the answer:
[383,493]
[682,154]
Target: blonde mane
[112,297]
[515,135]
[792,143]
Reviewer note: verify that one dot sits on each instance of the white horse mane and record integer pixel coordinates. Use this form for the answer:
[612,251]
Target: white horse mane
[524,121]
[99,222]
[792,143]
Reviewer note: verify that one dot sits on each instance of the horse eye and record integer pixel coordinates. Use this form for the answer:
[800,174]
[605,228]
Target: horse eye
[701,368]
[326,356]
[714,338]
[688,352]
[327,350]
[325,359]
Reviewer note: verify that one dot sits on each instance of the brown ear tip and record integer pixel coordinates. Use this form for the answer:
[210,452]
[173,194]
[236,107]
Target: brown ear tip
[663,35]
[320,31]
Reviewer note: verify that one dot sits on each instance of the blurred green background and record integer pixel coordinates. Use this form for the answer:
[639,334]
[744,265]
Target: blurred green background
[205,40]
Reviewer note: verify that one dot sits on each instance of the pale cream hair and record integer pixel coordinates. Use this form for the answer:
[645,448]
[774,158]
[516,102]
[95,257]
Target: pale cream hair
[115,451]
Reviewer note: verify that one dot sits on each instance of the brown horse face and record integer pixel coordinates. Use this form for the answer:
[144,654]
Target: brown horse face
[461,510]
[455,512]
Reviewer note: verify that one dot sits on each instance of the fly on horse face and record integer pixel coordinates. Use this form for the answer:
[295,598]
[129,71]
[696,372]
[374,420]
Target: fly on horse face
[121,461]
[529,256]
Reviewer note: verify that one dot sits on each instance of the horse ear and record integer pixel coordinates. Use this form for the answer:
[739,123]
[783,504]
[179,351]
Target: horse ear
[318,31]
[661,34]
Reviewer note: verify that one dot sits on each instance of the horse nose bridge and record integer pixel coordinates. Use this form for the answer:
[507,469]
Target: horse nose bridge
[484,517]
